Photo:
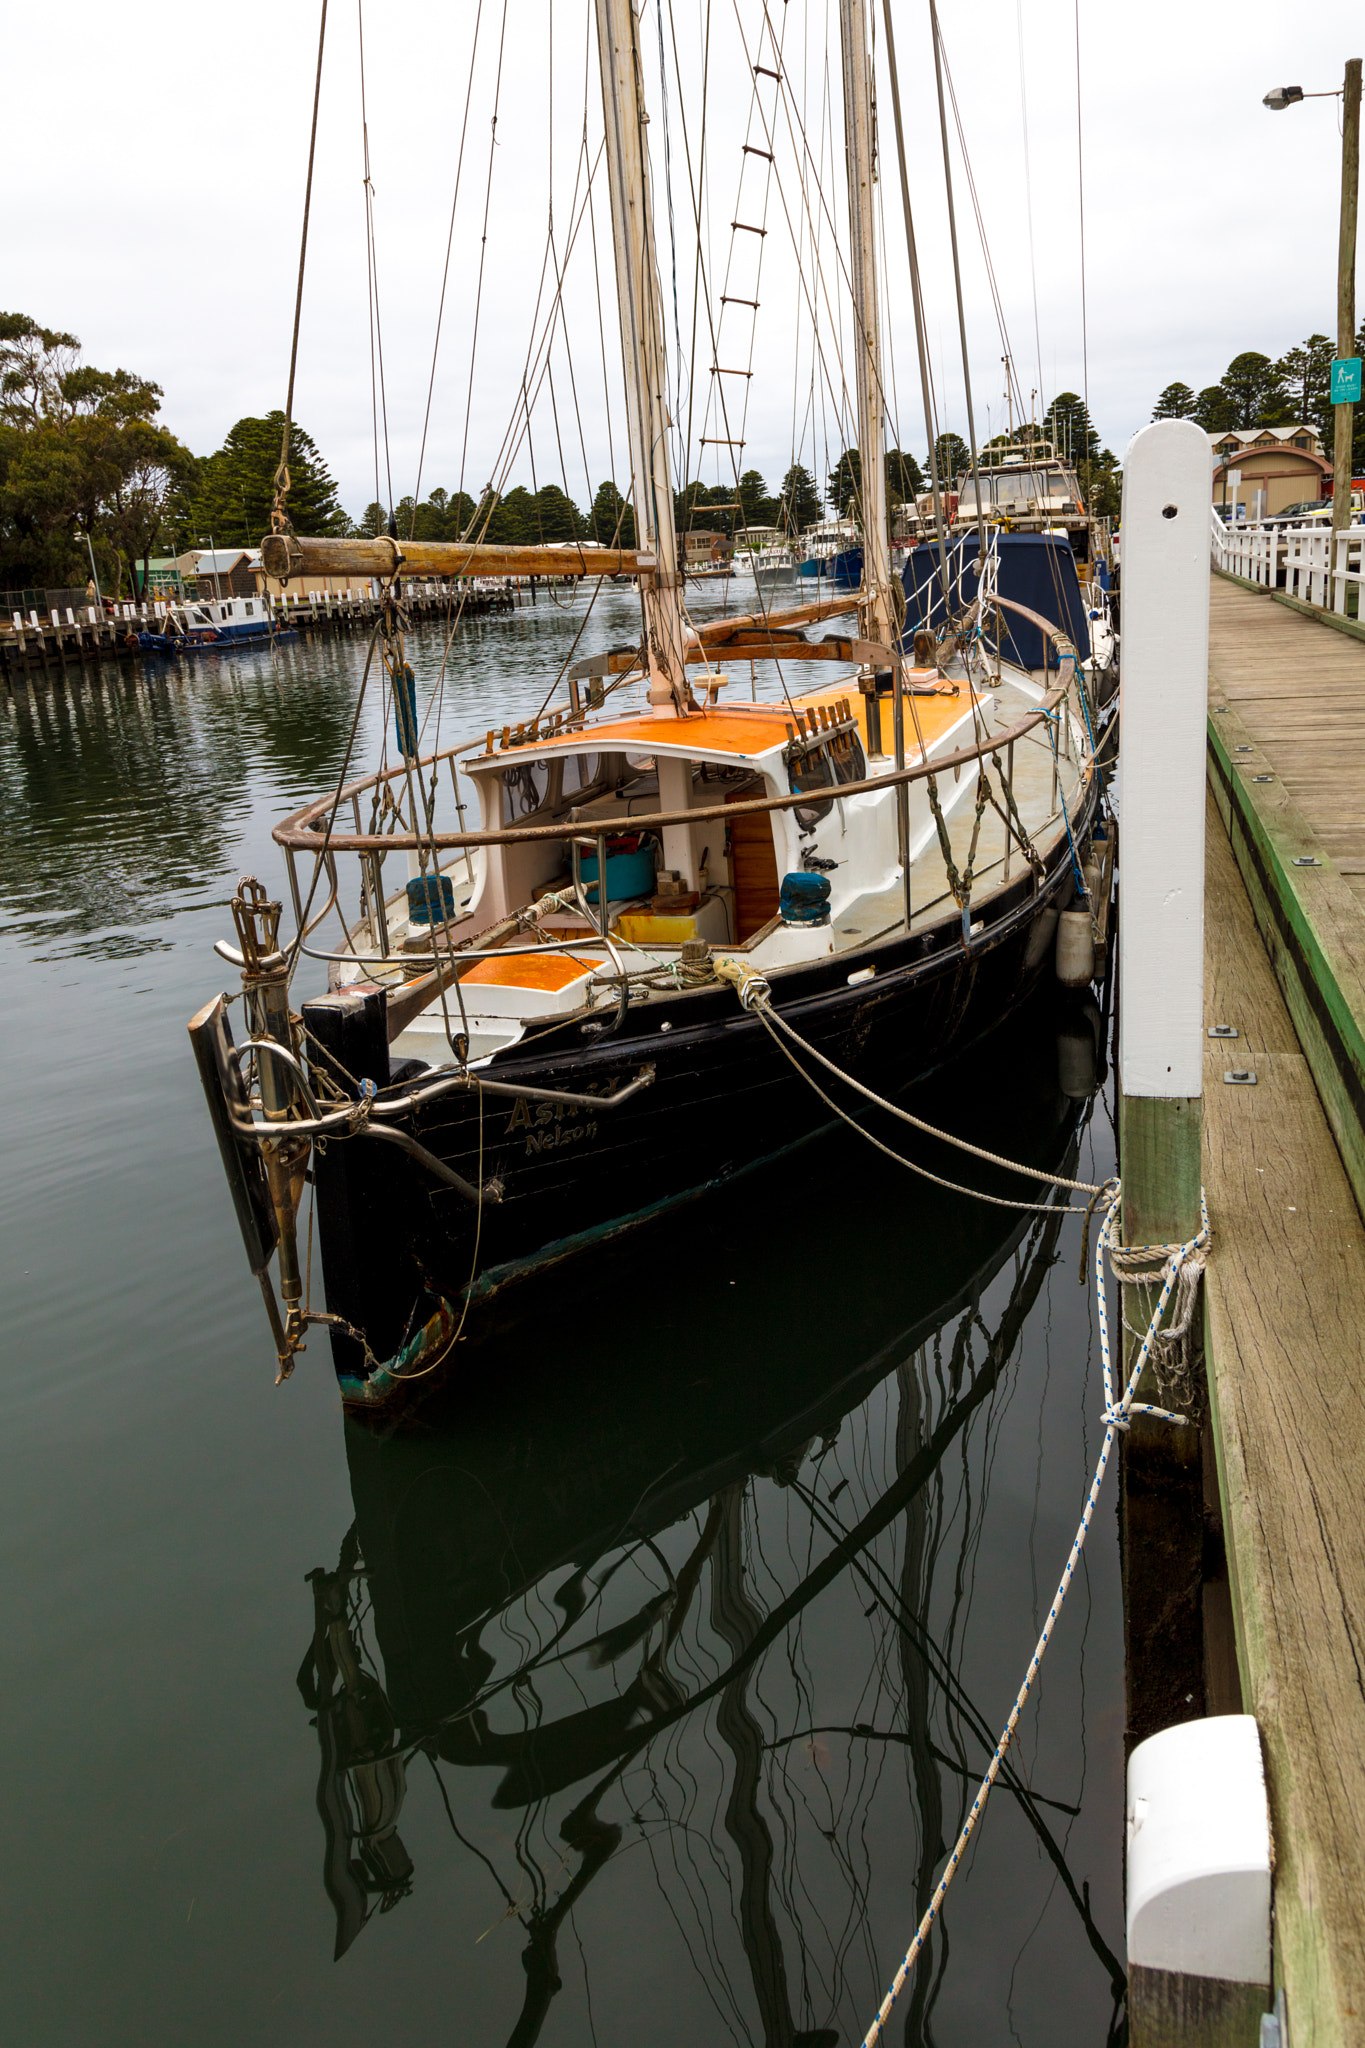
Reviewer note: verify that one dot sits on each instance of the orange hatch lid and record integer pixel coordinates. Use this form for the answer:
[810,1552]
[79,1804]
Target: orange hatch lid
[530,970]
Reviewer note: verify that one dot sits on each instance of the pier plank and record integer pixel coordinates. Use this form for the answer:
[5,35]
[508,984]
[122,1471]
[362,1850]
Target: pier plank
[1286,1362]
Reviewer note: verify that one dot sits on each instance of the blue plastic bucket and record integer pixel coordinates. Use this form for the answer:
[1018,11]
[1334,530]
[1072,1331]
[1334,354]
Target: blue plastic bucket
[628,874]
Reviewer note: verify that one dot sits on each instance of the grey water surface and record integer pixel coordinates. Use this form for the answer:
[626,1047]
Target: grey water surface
[679,1622]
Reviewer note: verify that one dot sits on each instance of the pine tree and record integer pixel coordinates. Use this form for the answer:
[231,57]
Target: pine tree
[1255,392]
[953,456]
[845,492]
[236,487]
[1176,402]
[799,499]
[759,509]
[611,519]
[904,477]
[1067,424]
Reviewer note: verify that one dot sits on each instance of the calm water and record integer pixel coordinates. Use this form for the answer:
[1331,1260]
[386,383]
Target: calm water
[682,1626]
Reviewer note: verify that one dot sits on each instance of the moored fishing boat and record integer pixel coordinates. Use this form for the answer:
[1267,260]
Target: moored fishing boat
[574,1013]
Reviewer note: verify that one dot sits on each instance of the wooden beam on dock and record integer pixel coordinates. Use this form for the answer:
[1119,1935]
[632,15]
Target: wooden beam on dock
[1285,1354]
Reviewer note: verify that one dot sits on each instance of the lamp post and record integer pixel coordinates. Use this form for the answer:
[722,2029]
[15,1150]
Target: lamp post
[1280,97]
[213,553]
[94,572]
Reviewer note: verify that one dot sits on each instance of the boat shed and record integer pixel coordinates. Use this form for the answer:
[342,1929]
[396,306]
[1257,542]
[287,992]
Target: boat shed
[227,572]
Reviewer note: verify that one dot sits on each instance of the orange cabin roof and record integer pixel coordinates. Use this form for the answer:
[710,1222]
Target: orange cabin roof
[551,971]
[742,729]
[724,729]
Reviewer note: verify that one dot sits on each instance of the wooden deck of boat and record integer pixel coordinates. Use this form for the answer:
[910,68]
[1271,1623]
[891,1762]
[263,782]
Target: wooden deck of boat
[1286,1282]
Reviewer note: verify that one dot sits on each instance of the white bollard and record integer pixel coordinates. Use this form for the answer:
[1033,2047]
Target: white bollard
[1163,717]
[1199,1863]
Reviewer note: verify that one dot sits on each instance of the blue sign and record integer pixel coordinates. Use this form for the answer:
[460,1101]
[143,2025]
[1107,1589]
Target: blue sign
[1346,380]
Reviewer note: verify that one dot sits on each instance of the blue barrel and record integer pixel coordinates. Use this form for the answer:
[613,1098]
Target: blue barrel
[431,899]
[804,899]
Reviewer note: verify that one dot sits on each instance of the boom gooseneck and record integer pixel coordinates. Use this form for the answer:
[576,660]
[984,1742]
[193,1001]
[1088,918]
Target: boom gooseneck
[642,348]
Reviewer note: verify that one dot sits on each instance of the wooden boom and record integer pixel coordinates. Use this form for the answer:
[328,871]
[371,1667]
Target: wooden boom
[285,557]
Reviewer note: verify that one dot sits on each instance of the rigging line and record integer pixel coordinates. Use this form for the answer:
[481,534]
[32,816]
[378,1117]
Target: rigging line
[369,281]
[1028,187]
[672,228]
[321,855]
[445,274]
[373,257]
[537,355]
[996,300]
[840,400]
[1080,191]
[558,307]
[483,257]
[957,277]
[282,473]
[916,299]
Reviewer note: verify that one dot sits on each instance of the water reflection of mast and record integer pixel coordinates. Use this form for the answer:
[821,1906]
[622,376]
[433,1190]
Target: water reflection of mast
[915,1580]
[736,1621]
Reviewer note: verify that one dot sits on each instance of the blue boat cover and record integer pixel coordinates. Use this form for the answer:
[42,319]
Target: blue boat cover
[1036,569]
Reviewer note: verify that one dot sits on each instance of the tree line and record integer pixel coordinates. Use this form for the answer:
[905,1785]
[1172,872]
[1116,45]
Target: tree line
[88,469]
[1263,391]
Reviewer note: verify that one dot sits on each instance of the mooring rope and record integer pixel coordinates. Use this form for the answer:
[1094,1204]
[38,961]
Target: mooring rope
[755,996]
[1115,1418]
[1179,1267]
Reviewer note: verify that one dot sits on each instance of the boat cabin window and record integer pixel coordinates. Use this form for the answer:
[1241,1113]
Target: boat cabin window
[634,776]
[250,608]
[839,759]
[581,772]
[524,790]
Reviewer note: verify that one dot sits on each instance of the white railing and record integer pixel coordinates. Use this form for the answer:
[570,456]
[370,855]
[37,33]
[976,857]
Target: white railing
[1310,562]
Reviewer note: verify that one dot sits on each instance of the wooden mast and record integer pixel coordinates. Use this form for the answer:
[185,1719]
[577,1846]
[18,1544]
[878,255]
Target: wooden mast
[874,609]
[642,348]
[875,620]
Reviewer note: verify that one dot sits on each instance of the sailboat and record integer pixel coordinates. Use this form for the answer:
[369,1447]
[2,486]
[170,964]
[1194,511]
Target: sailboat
[536,1036]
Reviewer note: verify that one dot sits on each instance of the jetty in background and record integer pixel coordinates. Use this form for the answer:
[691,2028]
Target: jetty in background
[70,637]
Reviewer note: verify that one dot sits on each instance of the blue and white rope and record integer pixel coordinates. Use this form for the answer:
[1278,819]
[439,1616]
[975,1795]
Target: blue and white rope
[1115,1418]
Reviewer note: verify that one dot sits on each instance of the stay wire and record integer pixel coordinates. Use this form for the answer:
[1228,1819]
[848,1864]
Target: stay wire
[916,297]
[445,273]
[1080,191]
[1028,189]
[282,473]
[957,280]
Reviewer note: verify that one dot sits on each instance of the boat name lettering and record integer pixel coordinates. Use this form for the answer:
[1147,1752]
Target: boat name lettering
[545,1127]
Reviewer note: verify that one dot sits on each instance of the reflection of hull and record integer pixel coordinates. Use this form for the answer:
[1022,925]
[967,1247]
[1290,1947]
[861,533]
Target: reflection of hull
[721,1098]
[459,1519]
[475,1612]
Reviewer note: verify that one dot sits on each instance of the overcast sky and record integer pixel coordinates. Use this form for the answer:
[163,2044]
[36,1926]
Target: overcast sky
[155,165]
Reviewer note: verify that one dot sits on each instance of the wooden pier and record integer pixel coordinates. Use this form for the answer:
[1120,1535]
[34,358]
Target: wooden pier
[53,642]
[1284,1171]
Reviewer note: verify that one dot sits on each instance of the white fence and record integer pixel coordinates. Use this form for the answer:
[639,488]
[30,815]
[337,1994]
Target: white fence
[1309,562]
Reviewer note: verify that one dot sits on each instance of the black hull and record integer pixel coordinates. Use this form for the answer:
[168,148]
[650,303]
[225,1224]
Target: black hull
[396,1244]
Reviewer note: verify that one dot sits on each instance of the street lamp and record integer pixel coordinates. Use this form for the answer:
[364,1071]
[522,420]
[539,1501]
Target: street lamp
[1280,97]
[94,572]
[217,586]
